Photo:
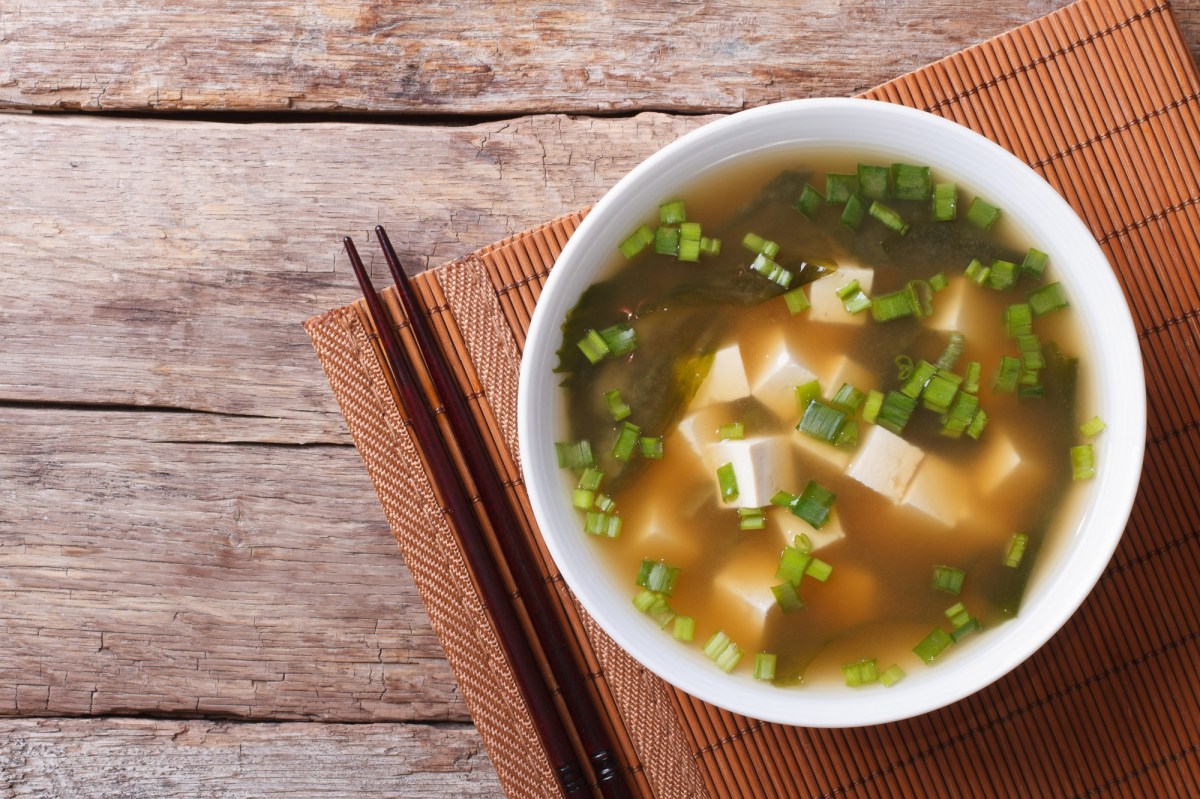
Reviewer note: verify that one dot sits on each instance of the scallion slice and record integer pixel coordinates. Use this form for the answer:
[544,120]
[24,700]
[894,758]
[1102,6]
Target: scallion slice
[751,519]
[920,377]
[591,478]
[960,415]
[873,181]
[948,578]
[940,391]
[1049,297]
[1002,276]
[862,672]
[764,666]
[1018,319]
[574,455]
[787,597]
[796,300]
[756,243]
[722,651]
[822,421]
[806,393]
[971,379]
[896,305]
[891,675]
[945,202]
[617,407]
[982,214]
[911,182]
[809,201]
[654,605]
[658,576]
[583,499]
[889,216]
[1008,375]
[1083,462]
[627,440]
[895,412]
[1092,427]
[819,570]
[621,339]
[710,246]
[938,282]
[652,447]
[793,562]
[727,481]
[763,265]
[977,272]
[814,504]
[666,240]
[732,431]
[854,211]
[854,299]
[839,187]
[1031,352]
[593,346]
[684,628]
[933,645]
[848,398]
[975,428]
[955,345]
[638,241]
[600,523]
[871,406]
[1035,262]
[605,503]
[672,213]
[1016,550]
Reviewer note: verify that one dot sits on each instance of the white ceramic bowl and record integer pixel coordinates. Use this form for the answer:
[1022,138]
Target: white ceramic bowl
[1063,576]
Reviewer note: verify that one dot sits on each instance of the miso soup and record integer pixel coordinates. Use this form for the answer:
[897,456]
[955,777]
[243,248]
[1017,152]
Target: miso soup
[824,433]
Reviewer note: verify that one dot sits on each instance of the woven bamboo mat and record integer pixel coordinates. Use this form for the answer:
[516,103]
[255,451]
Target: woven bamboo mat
[1103,99]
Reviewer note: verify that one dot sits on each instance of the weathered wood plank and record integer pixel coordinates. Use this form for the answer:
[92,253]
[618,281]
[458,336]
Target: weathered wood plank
[137,759]
[441,57]
[170,264]
[144,571]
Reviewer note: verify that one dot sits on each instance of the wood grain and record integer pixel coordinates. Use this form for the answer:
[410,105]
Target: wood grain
[442,57]
[186,528]
[141,758]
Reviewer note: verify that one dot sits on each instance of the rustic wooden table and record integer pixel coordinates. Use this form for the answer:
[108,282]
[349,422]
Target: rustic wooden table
[198,593]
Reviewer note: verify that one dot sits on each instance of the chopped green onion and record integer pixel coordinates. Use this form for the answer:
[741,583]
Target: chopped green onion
[848,398]
[1083,462]
[1092,427]
[722,651]
[960,415]
[583,499]
[940,391]
[672,213]
[814,504]
[822,421]
[727,481]
[982,214]
[1030,391]
[971,625]
[895,411]
[871,406]
[977,272]
[853,298]
[889,216]
[975,429]
[796,300]
[666,240]
[855,210]
[593,346]
[1035,262]
[764,666]
[733,430]
[575,455]
[689,250]
[605,503]
[945,202]
[756,243]
[590,479]
[1018,318]
[904,367]
[955,345]
[839,188]
[606,525]
[920,377]
[621,339]
[933,645]
[948,579]
[751,519]
[616,406]
[891,675]
[810,200]
[806,393]
[793,562]
[1016,550]
[654,605]
[862,672]
[1049,297]
[658,576]
[818,570]
[627,439]
[896,305]
[873,181]
[957,614]
[1007,376]
[971,380]
[771,270]
[652,447]
[911,182]
[847,437]
[1031,352]
[637,241]
[689,231]
[787,597]
[802,542]
[710,246]
[684,628]
[938,282]
[1003,275]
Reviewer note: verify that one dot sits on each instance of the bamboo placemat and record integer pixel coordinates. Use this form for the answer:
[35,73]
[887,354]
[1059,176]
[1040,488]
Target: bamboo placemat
[1103,99]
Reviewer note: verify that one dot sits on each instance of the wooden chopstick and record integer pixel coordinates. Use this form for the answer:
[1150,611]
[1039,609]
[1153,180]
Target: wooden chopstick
[549,725]
[514,547]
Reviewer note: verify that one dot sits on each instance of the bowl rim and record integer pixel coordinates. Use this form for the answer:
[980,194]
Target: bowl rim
[1106,313]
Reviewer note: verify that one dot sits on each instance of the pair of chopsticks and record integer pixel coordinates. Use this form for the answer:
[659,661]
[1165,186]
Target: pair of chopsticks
[582,716]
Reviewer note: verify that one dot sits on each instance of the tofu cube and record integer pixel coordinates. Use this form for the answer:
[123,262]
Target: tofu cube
[1000,460]
[657,534]
[698,430]
[827,306]
[885,462]
[789,526]
[775,375]
[726,380]
[761,466]
[844,370]
[746,580]
[809,450]
[940,491]
[949,306]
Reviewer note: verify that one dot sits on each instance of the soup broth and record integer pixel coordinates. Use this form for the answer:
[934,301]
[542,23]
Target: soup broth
[717,344]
